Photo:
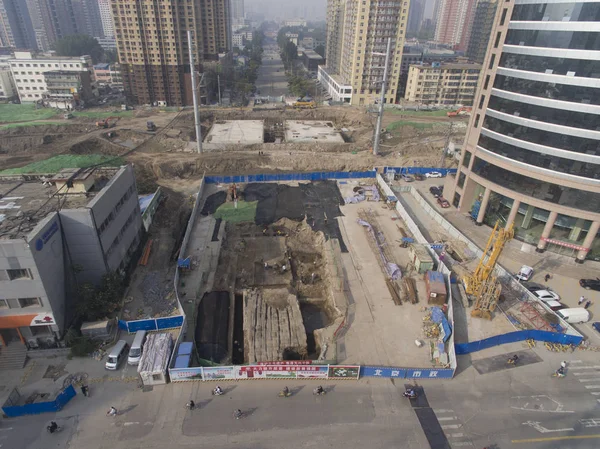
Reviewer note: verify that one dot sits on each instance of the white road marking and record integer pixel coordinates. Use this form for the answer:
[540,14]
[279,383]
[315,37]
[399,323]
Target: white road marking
[442,410]
[452,418]
[451,426]
[537,426]
[590,422]
[595,379]
[130,423]
[585,367]
[585,374]
[575,361]
[456,435]
[595,393]
[462,443]
[589,387]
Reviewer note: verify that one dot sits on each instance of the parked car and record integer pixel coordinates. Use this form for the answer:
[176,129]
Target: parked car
[433,174]
[524,273]
[575,315]
[546,295]
[590,284]
[419,177]
[555,305]
[596,325]
[435,191]
[443,202]
[407,178]
[532,286]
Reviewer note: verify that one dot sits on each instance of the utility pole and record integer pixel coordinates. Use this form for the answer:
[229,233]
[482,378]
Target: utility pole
[219,86]
[382,98]
[195,94]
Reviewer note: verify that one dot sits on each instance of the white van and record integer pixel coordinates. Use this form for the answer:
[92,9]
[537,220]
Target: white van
[116,355]
[574,316]
[524,273]
[135,353]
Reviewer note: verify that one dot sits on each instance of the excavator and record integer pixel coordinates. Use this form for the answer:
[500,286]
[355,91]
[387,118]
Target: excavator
[459,112]
[106,123]
[483,287]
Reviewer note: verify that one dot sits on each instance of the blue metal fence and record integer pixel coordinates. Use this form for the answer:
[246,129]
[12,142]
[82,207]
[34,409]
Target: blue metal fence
[418,170]
[512,337]
[36,408]
[157,324]
[406,373]
[274,177]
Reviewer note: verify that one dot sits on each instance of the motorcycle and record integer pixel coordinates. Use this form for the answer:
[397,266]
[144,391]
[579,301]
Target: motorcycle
[512,360]
[410,394]
[284,394]
[216,392]
[237,414]
[51,429]
[558,374]
[316,392]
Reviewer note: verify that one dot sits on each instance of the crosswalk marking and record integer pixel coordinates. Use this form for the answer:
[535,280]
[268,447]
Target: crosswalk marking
[575,361]
[586,374]
[452,418]
[589,387]
[442,410]
[596,379]
[451,426]
[595,393]
[462,443]
[585,367]
[456,435]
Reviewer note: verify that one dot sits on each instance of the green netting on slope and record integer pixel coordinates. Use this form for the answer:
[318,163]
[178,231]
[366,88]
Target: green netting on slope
[245,212]
[57,163]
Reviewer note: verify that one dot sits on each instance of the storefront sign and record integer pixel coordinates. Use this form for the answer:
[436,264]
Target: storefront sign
[565,244]
[43,319]
[287,362]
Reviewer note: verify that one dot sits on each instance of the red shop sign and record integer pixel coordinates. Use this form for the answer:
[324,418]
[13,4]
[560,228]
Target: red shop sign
[565,244]
[287,362]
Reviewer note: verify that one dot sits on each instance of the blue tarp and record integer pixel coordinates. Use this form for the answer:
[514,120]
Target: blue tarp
[182,361]
[437,316]
[145,201]
[185,348]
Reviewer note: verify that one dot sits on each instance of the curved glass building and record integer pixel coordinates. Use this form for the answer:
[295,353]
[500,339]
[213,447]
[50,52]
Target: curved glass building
[532,151]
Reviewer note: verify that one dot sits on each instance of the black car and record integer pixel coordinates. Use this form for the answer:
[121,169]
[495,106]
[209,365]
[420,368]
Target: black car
[533,287]
[435,191]
[590,284]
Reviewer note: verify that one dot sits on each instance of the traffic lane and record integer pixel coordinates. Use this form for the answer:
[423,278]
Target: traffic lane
[264,409]
[29,432]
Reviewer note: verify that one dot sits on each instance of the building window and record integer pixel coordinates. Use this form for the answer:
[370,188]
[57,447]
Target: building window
[40,330]
[3,304]
[497,41]
[476,123]
[14,275]
[486,82]
[30,302]
[492,61]
[481,101]
[503,18]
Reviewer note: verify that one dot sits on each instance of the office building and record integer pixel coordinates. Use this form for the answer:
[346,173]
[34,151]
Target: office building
[44,247]
[415,16]
[108,29]
[16,29]
[67,89]
[357,35]
[531,157]
[237,14]
[28,73]
[442,84]
[453,23]
[156,68]
[481,29]
[8,90]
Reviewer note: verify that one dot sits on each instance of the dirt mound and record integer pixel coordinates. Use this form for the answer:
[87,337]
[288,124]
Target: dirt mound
[96,145]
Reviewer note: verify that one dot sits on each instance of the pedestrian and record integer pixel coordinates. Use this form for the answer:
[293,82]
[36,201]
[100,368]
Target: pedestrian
[111,412]
[587,304]
[547,277]
[581,299]
[85,390]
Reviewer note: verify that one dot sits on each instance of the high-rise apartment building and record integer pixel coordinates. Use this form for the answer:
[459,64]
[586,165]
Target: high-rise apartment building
[16,29]
[87,17]
[483,21]
[454,21]
[51,20]
[108,29]
[415,16]
[153,47]
[237,9]
[357,35]
[531,156]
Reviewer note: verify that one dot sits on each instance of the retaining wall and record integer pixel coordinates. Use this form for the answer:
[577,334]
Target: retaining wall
[12,410]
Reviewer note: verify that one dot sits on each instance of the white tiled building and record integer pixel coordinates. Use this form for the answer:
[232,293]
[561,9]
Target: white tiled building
[28,72]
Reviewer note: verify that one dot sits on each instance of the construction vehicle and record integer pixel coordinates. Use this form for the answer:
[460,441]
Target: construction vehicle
[304,103]
[466,111]
[106,123]
[150,126]
[482,286]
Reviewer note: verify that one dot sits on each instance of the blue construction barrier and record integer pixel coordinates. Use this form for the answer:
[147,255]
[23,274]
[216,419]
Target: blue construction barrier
[513,337]
[406,373]
[154,324]
[315,176]
[418,170]
[36,408]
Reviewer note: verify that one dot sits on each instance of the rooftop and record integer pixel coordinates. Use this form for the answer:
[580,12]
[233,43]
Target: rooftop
[449,65]
[236,131]
[26,201]
[311,131]
[312,54]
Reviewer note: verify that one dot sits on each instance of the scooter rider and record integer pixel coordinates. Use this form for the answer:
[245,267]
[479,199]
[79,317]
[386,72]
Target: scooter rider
[410,393]
[52,427]
[218,390]
[515,359]
[191,405]
[286,391]
[560,372]
[320,389]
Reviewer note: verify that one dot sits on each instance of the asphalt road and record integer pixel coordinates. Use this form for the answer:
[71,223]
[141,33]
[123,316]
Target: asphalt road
[497,407]
[271,79]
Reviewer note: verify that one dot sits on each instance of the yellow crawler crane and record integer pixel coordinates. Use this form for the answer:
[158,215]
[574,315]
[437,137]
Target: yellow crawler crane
[482,285]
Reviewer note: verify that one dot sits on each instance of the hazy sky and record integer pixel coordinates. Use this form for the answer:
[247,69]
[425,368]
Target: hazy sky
[288,9]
